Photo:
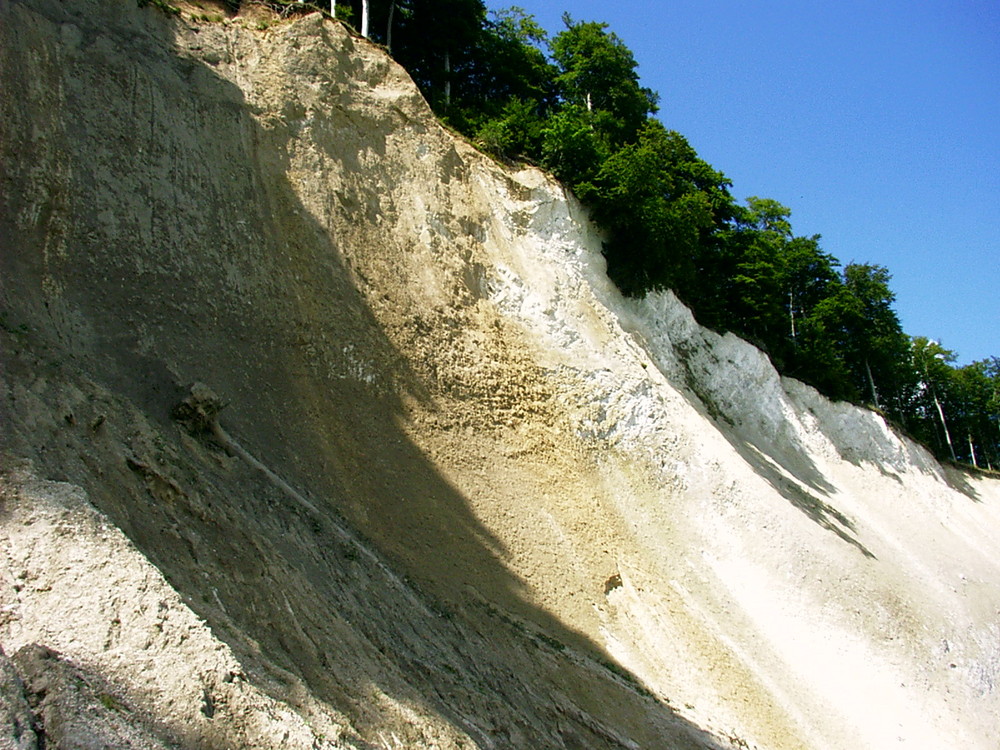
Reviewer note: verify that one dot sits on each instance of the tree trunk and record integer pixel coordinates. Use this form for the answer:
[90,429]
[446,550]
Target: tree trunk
[944,426]
[972,451]
[871,382]
[791,311]
[333,8]
[388,27]
[364,18]
[447,81]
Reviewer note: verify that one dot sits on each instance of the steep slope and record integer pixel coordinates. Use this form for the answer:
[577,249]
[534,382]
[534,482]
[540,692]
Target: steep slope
[453,490]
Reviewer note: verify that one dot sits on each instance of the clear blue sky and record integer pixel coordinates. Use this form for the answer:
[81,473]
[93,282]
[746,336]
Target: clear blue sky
[877,123]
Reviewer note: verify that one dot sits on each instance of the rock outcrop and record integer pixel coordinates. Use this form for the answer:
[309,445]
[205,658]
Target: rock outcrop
[321,429]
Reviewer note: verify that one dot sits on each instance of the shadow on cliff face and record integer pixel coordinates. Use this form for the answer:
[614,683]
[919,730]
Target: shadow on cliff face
[806,500]
[157,242]
[777,457]
[958,478]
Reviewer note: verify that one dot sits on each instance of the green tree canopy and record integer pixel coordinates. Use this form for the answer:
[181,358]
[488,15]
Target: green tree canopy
[509,78]
[598,73]
[437,41]
[660,203]
[975,412]
[860,320]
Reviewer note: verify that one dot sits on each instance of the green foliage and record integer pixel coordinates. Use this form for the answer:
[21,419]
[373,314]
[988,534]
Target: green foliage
[598,72]
[876,349]
[516,131]
[975,401]
[440,42]
[772,288]
[511,64]
[748,274]
[659,202]
[932,367]
[572,148]
[956,410]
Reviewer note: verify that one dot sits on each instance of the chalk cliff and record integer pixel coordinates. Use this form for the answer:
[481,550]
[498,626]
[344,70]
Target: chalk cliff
[320,429]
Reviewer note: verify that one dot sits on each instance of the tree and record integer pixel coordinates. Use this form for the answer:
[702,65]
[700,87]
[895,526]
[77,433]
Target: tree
[659,203]
[512,61]
[436,41]
[388,25]
[572,149]
[752,289]
[973,398]
[992,419]
[931,361]
[875,346]
[598,73]
[764,283]
[808,276]
[510,87]
[516,132]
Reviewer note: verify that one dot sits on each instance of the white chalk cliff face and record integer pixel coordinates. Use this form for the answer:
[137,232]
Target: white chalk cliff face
[436,483]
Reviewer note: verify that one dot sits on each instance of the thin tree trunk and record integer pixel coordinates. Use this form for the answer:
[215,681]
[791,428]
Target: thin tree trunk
[388,27]
[364,18]
[447,81]
[791,311]
[871,382]
[333,8]
[972,450]
[944,426]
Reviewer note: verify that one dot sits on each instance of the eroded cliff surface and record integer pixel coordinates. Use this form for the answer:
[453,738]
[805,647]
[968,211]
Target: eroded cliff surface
[438,484]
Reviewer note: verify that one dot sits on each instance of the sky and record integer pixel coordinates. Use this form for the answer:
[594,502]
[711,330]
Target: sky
[877,124]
